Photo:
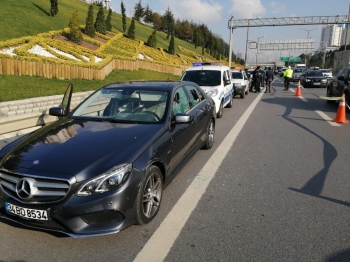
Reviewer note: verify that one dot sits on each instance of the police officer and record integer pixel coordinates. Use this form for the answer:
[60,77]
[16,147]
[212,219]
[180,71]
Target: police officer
[287,77]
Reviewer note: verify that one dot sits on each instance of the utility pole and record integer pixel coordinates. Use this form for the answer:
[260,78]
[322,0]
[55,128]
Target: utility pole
[246,47]
[231,31]
[308,31]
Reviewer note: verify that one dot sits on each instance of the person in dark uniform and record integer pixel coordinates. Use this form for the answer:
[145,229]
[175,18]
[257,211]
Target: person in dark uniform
[269,79]
[257,78]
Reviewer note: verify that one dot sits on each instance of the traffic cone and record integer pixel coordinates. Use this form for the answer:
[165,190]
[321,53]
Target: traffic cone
[341,113]
[298,91]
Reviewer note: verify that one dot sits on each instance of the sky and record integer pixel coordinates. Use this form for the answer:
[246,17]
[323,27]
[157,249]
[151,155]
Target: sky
[215,14]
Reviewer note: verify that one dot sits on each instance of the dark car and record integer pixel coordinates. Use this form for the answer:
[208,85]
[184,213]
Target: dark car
[339,84]
[102,167]
[313,78]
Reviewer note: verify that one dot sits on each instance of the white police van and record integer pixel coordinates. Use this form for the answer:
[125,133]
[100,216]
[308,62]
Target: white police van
[215,79]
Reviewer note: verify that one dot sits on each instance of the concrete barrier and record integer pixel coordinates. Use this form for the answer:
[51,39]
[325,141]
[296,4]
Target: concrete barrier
[33,112]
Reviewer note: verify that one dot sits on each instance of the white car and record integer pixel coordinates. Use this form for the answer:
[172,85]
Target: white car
[215,80]
[326,72]
[240,82]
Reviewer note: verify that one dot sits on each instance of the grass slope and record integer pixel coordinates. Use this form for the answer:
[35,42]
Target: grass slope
[26,18]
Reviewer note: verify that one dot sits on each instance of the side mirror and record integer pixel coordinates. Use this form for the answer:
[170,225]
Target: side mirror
[56,111]
[183,119]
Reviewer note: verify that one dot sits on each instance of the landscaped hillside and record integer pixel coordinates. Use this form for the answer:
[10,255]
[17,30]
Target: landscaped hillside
[28,18]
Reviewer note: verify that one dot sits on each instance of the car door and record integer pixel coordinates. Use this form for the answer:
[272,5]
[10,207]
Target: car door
[201,110]
[183,135]
[342,82]
[227,85]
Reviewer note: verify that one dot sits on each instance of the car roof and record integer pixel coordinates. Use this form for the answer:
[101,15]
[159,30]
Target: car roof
[147,85]
[208,67]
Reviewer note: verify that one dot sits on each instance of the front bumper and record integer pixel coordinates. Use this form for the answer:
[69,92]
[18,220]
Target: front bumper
[76,216]
[239,90]
[314,84]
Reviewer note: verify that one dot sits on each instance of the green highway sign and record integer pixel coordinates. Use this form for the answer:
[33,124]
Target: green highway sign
[290,59]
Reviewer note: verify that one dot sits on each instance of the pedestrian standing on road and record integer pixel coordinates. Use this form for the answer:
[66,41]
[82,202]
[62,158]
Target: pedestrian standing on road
[287,77]
[257,79]
[263,75]
[269,78]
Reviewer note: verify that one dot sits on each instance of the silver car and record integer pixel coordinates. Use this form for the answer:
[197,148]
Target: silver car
[296,74]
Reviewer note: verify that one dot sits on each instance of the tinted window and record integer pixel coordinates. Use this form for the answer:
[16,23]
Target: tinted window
[180,102]
[195,95]
[315,73]
[236,75]
[203,77]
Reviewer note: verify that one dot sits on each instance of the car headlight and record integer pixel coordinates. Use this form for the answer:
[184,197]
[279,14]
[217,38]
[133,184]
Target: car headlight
[213,92]
[323,80]
[307,80]
[110,180]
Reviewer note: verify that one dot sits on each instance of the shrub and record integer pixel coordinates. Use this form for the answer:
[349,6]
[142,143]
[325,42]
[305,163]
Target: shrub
[54,7]
[152,40]
[75,34]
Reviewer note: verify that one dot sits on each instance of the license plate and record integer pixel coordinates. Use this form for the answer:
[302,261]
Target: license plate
[26,213]
[317,84]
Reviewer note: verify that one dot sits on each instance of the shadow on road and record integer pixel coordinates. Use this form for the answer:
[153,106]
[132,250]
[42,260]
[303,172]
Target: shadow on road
[315,185]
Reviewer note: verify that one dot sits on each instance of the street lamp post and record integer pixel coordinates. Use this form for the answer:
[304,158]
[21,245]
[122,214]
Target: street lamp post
[257,51]
[308,31]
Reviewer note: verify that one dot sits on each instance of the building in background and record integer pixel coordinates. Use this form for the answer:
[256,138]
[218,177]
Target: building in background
[345,35]
[331,35]
[105,3]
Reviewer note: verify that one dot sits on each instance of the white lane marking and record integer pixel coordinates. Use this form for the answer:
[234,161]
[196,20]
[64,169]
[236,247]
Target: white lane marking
[327,118]
[158,246]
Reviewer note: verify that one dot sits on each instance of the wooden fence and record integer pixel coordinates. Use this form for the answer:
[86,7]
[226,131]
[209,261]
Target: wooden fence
[21,67]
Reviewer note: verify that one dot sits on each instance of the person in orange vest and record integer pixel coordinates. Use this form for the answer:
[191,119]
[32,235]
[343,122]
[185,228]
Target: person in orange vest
[287,77]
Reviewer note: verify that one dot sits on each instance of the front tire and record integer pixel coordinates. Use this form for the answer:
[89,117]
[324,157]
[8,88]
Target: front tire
[329,94]
[209,141]
[221,109]
[149,196]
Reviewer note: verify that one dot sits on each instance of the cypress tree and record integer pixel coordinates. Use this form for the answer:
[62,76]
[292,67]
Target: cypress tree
[100,23]
[123,16]
[75,34]
[131,30]
[89,25]
[171,49]
[152,40]
[109,20]
[54,7]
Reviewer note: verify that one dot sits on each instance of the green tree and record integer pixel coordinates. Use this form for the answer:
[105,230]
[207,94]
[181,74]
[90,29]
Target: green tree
[167,22]
[171,49]
[122,7]
[75,34]
[131,30]
[138,11]
[54,7]
[100,24]
[152,40]
[148,15]
[109,20]
[89,25]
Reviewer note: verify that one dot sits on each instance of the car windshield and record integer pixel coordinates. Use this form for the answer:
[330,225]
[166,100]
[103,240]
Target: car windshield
[237,75]
[298,70]
[325,70]
[123,105]
[203,77]
[315,73]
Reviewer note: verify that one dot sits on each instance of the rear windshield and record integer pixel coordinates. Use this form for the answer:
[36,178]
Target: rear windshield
[315,73]
[203,77]
[236,75]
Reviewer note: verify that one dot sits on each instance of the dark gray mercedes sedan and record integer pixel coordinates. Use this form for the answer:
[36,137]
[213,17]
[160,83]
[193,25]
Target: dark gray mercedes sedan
[102,167]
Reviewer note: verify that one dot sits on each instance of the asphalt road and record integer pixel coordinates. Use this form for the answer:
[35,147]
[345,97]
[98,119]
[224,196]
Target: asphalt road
[281,193]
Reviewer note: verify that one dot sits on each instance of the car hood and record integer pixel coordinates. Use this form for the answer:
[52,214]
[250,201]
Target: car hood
[208,88]
[238,81]
[74,147]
